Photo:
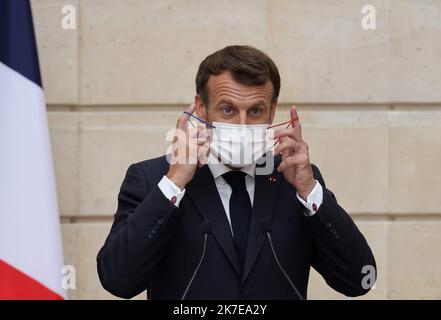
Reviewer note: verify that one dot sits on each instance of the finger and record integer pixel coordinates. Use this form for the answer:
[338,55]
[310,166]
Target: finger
[285,153]
[201,136]
[296,122]
[203,155]
[291,144]
[303,147]
[204,150]
[288,132]
[183,118]
[195,141]
[294,147]
[208,134]
[294,160]
[201,141]
[179,136]
[204,133]
[193,133]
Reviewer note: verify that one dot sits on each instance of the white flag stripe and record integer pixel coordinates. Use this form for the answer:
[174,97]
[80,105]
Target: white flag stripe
[30,238]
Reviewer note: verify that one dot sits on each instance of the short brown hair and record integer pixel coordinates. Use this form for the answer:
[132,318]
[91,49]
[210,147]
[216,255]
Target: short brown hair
[248,66]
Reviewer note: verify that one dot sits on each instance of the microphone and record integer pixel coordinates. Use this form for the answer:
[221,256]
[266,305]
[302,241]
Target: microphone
[266,229]
[206,229]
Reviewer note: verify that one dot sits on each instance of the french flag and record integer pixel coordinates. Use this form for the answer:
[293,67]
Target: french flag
[31,256]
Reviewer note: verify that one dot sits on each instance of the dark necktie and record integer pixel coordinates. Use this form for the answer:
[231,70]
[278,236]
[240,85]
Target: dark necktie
[240,211]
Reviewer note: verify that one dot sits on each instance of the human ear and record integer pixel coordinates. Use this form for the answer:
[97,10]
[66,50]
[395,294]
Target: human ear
[201,108]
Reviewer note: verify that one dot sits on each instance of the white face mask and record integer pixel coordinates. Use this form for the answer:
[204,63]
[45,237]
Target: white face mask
[239,145]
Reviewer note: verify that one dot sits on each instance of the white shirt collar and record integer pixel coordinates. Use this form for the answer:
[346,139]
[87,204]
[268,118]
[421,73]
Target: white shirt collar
[218,170]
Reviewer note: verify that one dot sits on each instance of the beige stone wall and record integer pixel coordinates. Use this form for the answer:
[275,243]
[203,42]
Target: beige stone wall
[369,101]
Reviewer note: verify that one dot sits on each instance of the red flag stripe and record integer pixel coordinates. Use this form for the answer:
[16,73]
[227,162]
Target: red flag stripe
[15,285]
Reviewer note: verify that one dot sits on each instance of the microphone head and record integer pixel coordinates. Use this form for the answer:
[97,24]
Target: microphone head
[266,227]
[206,226]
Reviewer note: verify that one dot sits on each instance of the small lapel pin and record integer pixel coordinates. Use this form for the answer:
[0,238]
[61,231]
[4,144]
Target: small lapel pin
[272,179]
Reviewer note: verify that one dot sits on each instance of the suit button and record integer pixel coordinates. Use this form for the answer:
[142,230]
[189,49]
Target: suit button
[336,237]
[328,225]
[150,236]
[161,221]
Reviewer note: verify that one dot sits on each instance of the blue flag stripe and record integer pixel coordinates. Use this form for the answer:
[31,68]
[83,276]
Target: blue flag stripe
[18,48]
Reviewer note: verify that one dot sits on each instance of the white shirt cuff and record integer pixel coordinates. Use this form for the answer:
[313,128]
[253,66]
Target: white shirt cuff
[171,191]
[314,200]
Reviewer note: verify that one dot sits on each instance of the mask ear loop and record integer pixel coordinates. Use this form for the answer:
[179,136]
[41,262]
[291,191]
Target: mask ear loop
[200,120]
[281,124]
[191,123]
[289,122]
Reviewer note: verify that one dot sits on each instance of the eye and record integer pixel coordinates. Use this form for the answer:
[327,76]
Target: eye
[255,111]
[227,109]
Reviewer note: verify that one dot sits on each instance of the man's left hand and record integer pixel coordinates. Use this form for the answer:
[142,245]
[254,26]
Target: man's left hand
[295,164]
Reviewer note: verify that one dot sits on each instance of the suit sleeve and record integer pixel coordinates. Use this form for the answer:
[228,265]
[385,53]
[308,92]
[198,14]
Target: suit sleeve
[144,222]
[341,250]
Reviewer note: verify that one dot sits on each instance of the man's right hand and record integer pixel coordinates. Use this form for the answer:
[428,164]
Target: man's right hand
[190,149]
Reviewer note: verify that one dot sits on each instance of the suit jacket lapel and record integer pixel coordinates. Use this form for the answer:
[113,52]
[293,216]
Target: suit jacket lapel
[205,197]
[265,196]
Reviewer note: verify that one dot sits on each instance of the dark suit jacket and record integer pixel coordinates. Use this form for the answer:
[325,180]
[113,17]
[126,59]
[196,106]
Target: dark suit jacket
[155,246]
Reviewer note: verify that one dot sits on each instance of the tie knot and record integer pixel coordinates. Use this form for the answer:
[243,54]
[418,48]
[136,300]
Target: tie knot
[236,179]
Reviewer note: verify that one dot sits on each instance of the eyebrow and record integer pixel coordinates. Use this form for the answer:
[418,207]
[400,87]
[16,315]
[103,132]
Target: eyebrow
[229,102]
[224,101]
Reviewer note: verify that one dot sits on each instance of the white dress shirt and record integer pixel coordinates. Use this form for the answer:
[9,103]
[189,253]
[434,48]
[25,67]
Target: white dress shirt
[175,194]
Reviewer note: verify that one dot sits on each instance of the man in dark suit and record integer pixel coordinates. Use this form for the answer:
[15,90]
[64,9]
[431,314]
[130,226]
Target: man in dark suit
[223,231]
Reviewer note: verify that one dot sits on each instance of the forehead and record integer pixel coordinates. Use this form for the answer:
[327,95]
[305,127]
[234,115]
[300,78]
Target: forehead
[224,87]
